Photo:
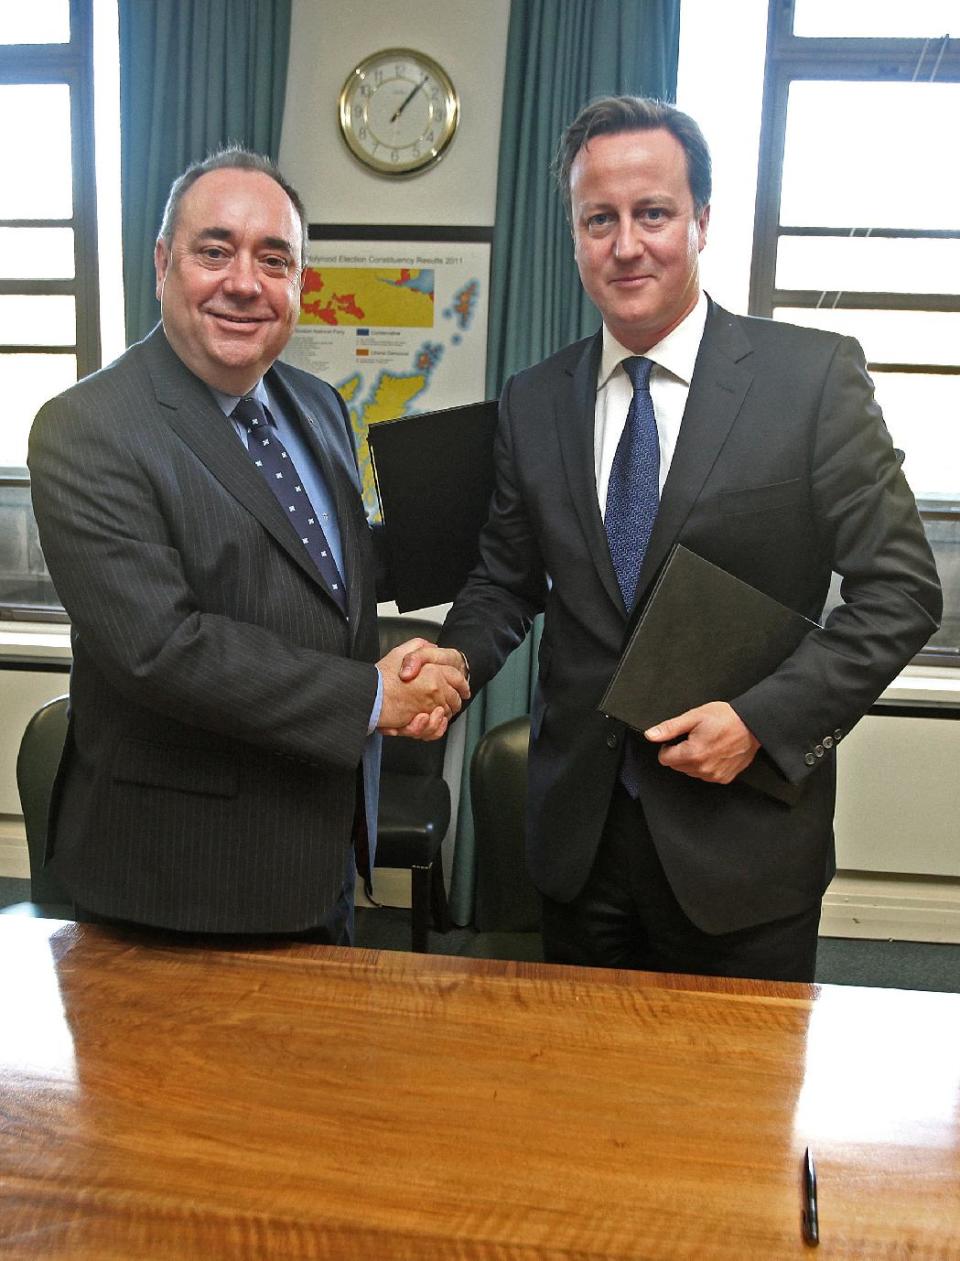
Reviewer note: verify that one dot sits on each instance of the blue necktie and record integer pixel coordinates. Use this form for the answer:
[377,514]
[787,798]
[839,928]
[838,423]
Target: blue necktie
[633,497]
[270,456]
[633,492]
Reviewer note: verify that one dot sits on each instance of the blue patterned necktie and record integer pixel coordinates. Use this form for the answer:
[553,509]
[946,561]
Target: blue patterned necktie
[270,456]
[633,497]
[633,492]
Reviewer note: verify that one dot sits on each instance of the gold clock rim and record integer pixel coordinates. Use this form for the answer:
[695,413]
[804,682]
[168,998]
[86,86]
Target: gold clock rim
[346,128]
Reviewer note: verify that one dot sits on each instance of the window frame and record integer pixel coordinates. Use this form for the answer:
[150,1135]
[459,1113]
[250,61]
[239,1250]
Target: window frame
[71,64]
[790,58]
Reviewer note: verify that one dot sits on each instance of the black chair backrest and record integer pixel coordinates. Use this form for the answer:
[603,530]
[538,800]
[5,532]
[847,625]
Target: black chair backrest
[506,899]
[37,762]
[402,756]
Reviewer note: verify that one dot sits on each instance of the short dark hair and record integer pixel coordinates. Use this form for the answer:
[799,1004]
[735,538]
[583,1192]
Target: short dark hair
[233,157]
[608,115]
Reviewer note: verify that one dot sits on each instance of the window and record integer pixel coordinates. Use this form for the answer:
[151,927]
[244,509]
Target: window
[856,225]
[49,282]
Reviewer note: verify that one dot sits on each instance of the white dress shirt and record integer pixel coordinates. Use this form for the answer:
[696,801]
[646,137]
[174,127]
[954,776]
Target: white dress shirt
[673,358]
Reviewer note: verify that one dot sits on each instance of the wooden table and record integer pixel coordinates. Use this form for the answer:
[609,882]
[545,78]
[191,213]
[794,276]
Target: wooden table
[170,1102]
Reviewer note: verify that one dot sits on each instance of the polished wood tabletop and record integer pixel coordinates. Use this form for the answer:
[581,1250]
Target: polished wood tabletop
[163,1100]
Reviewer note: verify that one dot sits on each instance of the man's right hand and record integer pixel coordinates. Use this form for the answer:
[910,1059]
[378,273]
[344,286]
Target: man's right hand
[421,707]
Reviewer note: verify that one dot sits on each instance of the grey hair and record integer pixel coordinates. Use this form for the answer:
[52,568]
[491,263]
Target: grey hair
[233,157]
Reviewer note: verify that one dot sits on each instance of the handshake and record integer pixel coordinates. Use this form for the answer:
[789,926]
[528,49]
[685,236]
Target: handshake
[423,687]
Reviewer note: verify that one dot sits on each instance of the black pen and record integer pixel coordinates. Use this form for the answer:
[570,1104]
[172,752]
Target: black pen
[811,1226]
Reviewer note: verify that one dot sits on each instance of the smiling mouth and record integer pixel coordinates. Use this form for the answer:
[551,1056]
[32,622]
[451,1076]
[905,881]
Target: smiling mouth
[240,321]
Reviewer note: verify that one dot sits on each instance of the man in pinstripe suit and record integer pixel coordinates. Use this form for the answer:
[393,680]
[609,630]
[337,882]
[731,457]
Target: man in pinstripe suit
[219,773]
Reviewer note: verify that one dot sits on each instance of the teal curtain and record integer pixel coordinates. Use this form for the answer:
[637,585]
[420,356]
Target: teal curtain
[194,75]
[560,55]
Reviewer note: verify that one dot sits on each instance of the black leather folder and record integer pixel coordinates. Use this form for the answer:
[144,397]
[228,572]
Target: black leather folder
[434,477]
[703,635]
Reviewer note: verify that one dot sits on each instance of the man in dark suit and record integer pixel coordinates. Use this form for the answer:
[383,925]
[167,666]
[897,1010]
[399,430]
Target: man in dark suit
[220,766]
[760,447]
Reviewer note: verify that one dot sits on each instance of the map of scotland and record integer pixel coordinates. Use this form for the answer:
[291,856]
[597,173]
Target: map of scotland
[393,339]
[388,297]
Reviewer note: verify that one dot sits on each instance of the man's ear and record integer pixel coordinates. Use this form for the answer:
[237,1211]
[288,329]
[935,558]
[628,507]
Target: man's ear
[703,221]
[161,261]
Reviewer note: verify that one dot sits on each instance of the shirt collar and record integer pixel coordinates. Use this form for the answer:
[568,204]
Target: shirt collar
[677,352]
[227,402]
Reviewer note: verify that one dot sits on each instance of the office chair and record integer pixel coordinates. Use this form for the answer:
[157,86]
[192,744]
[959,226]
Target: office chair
[37,763]
[506,898]
[414,805]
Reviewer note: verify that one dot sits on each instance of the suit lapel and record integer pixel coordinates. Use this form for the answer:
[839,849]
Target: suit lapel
[342,483]
[719,385]
[193,414]
[575,429]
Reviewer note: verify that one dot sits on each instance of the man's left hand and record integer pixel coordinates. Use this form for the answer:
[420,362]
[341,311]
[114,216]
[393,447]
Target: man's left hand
[414,654]
[422,727]
[717,747]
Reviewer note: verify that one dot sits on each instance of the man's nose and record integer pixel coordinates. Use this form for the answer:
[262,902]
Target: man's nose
[628,242]
[242,276]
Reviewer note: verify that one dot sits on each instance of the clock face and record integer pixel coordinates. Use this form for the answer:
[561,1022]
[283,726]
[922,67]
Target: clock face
[398,112]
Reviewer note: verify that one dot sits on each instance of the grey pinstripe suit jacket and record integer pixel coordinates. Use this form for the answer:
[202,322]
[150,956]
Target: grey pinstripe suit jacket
[219,698]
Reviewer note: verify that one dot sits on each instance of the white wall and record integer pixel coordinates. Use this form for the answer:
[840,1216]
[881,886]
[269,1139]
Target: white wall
[467,37]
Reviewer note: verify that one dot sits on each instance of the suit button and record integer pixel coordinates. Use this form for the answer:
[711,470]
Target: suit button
[612,741]
[828,742]
[809,759]
[818,750]
[837,734]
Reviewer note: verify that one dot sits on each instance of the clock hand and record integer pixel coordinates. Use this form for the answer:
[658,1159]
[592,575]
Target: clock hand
[410,95]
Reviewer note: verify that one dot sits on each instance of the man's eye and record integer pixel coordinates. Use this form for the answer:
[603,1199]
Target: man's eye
[595,223]
[276,263]
[654,214]
[213,253]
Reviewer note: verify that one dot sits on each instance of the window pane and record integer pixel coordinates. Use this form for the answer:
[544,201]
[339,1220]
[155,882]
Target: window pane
[23,574]
[106,75]
[39,22]
[36,253]
[26,382]
[923,416]
[868,264]
[919,19]
[944,538]
[37,320]
[888,336]
[35,142]
[864,155]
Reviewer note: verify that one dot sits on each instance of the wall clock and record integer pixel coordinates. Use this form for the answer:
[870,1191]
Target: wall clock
[399,111]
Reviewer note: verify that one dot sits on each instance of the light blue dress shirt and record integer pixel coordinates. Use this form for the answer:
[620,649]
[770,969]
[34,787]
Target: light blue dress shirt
[314,483]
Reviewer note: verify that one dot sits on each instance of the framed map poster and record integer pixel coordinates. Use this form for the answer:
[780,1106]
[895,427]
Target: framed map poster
[396,322]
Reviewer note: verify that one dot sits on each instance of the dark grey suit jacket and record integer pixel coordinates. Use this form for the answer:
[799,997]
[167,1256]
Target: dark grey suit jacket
[219,697]
[783,471]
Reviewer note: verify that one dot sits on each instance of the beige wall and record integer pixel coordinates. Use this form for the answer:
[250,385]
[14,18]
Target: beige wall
[467,37]
[898,798]
[21,694]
